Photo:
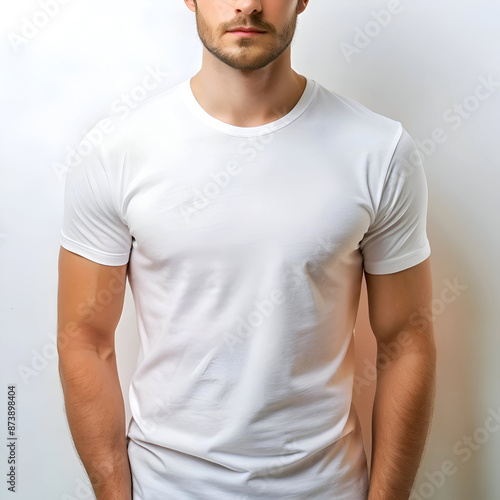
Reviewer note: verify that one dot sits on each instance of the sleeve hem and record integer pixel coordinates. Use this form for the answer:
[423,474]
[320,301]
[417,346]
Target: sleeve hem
[399,263]
[92,254]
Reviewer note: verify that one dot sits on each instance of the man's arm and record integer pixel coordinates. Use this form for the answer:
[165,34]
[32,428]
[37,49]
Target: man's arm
[406,377]
[90,302]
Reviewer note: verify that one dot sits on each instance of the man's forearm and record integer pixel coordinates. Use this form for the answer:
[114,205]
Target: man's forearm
[401,418]
[96,416]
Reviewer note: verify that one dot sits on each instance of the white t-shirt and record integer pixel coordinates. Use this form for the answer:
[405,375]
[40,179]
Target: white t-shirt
[246,248]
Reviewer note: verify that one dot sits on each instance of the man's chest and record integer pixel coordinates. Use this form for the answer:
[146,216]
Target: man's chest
[247,195]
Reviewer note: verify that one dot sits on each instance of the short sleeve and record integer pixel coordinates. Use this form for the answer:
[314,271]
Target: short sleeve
[397,238]
[91,225]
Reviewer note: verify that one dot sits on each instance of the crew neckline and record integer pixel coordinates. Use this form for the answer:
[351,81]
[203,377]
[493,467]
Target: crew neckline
[303,103]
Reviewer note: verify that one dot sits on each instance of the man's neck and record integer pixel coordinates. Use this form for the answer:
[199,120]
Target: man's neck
[247,98]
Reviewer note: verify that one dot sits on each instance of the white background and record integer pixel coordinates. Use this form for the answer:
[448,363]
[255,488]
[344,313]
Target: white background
[79,64]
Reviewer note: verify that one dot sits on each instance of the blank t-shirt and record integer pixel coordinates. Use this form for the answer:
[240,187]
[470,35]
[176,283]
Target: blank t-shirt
[246,248]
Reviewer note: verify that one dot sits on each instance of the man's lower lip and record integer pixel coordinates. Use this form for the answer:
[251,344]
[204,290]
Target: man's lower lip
[246,33]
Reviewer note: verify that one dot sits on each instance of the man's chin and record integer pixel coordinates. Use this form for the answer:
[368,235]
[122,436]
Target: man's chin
[243,62]
[246,65]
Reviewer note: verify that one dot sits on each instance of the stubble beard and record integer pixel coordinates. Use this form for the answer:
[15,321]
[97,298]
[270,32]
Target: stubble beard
[248,56]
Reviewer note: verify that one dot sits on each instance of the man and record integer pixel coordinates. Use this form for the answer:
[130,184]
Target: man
[244,206]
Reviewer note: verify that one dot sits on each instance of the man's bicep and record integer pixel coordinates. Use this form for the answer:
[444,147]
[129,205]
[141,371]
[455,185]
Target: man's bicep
[398,304]
[90,303]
